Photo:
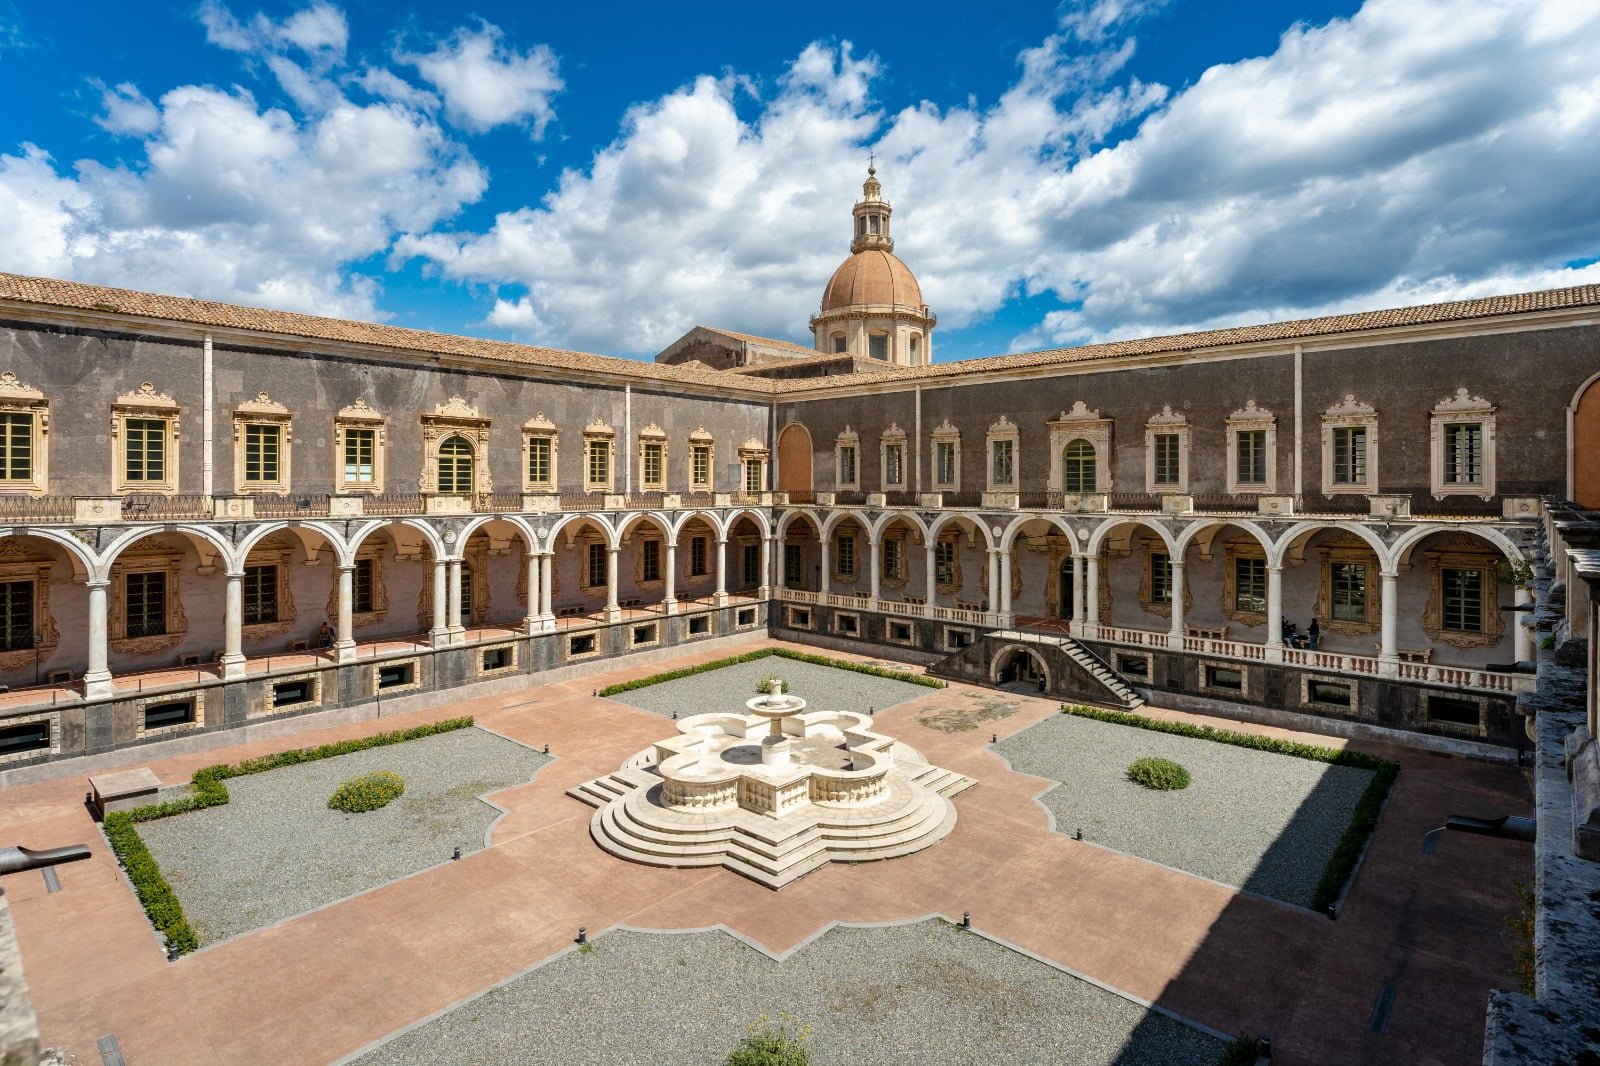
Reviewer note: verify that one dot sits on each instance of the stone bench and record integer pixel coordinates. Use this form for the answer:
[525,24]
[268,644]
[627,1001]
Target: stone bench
[123,789]
[1207,632]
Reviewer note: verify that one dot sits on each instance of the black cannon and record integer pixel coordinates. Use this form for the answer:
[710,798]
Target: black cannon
[16,860]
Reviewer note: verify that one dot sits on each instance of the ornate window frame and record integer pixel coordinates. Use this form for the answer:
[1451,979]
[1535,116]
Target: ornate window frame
[950,584]
[150,555]
[752,451]
[835,556]
[902,540]
[598,434]
[652,436]
[1006,431]
[359,416]
[263,411]
[144,403]
[1347,549]
[1462,408]
[1233,551]
[455,418]
[1081,422]
[271,551]
[1150,546]
[893,437]
[1167,423]
[18,398]
[1461,551]
[946,435]
[848,439]
[1350,413]
[702,438]
[1248,419]
[639,539]
[17,563]
[371,550]
[539,428]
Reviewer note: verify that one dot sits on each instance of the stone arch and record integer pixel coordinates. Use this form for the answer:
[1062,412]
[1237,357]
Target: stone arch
[1098,538]
[1402,548]
[570,525]
[791,517]
[524,530]
[888,518]
[837,517]
[205,542]
[1005,659]
[43,601]
[428,534]
[1300,530]
[1583,444]
[794,458]
[78,555]
[710,518]
[302,532]
[763,523]
[655,518]
[956,518]
[1213,526]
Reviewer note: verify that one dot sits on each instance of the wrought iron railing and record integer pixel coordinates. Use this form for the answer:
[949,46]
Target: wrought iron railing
[394,503]
[303,505]
[16,507]
[148,507]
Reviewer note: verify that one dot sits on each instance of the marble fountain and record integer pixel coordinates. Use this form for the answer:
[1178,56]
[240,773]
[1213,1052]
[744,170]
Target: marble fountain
[772,793]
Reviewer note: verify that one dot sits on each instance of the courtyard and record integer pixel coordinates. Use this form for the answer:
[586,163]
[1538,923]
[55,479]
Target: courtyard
[1111,949]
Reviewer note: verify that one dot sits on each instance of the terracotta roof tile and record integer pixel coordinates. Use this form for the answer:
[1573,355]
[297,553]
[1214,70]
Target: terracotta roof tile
[770,342]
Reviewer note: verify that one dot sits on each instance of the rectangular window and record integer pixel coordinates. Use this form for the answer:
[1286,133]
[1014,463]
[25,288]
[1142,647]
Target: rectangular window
[1454,711]
[944,562]
[497,659]
[145,605]
[751,570]
[396,675]
[1348,585]
[847,464]
[878,346]
[1350,455]
[1168,458]
[645,634]
[16,615]
[1226,678]
[1004,456]
[845,556]
[539,451]
[1328,693]
[699,553]
[944,462]
[650,565]
[289,693]
[1463,600]
[595,572]
[260,595]
[894,558]
[581,645]
[654,475]
[699,625]
[360,456]
[29,736]
[362,583]
[894,464]
[793,565]
[16,446]
[1252,457]
[753,476]
[145,449]
[162,715]
[1463,453]
[1160,577]
[261,448]
[838,346]
[599,462]
[700,466]
[1250,584]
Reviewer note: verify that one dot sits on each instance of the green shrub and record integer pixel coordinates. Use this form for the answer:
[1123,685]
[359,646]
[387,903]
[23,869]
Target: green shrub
[1242,1050]
[765,687]
[206,789]
[1548,642]
[767,653]
[1363,820]
[785,1042]
[1163,775]
[367,792]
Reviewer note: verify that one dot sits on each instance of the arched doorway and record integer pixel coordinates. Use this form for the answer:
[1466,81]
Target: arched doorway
[1064,597]
[1586,445]
[794,458]
[1020,670]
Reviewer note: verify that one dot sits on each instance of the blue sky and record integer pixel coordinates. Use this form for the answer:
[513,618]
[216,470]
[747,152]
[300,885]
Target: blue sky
[604,178]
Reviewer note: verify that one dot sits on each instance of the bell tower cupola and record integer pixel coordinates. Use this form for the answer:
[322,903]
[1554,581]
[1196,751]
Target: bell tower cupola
[872,213]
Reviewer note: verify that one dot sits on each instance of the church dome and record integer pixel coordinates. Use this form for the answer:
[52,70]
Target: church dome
[872,276]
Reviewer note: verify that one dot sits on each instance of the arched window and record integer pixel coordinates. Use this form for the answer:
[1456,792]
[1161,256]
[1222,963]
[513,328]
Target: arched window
[916,345]
[455,466]
[1077,467]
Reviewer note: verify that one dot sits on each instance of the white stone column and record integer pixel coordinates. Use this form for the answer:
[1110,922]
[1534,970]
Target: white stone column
[670,598]
[547,582]
[439,635]
[1091,611]
[233,628]
[97,676]
[613,607]
[455,631]
[825,577]
[930,590]
[1176,632]
[875,570]
[1077,594]
[994,583]
[1005,588]
[1389,639]
[767,581]
[531,622]
[344,648]
[1523,643]
[1274,641]
[720,596]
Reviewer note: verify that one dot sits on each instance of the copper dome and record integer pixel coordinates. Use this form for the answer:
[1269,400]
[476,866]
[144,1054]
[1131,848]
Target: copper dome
[872,276]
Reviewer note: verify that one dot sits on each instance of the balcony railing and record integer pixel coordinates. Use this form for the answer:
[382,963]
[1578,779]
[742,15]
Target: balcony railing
[394,503]
[647,501]
[900,498]
[583,501]
[298,506]
[498,502]
[15,507]
[145,507]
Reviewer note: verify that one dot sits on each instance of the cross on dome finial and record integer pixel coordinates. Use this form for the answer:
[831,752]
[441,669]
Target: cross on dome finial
[872,164]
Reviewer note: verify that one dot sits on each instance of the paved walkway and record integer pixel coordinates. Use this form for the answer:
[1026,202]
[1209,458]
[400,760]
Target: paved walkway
[322,985]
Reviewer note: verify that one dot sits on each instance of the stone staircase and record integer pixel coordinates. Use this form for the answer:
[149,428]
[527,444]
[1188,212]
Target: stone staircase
[1076,672]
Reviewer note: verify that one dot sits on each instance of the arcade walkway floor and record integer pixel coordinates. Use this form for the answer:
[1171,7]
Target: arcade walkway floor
[1402,976]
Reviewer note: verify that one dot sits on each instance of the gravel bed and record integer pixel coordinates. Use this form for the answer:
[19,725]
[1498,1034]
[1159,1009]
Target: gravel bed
[920,994]
[277,850]
[1252,819]
[825,688]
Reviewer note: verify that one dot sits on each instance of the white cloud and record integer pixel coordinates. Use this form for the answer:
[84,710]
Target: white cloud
[37,232]
[127,111]
[486,82]
[1419,150]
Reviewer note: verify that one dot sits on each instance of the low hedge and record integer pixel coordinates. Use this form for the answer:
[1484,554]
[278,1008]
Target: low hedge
[1363,820]
[369,792]
[160,904]
[1161,775]
[767,653]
